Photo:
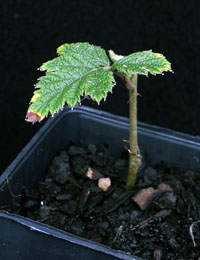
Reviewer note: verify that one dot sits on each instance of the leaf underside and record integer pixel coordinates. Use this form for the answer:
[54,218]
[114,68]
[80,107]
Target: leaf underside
[78,70]
[142,63]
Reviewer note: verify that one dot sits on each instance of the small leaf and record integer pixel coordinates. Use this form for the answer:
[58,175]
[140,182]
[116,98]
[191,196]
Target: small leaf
[114,57]
[80,69]
[141,63]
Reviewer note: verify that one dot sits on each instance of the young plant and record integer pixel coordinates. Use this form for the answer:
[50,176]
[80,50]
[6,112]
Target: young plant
[82,69]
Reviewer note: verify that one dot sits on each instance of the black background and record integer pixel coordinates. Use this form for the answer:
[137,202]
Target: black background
[30,32]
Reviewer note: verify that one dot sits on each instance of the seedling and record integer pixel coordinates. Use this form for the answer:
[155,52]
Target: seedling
[82,69]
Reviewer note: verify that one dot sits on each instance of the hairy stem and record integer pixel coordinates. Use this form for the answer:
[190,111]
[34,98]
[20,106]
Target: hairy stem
[134,156]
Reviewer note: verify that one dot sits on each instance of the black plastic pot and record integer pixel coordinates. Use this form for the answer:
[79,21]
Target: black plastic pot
[22,238]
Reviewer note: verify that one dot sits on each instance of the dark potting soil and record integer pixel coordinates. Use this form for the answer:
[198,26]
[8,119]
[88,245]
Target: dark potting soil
[163,225]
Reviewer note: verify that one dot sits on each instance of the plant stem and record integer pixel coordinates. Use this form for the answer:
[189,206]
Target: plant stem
[134,156]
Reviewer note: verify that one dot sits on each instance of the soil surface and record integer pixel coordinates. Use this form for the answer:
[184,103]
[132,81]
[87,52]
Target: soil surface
[158,219]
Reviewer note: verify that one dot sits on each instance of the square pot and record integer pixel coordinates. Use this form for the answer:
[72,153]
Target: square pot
[22,238]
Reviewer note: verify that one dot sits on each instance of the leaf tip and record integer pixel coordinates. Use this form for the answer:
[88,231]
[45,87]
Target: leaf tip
[42,68]
[61,47]
[33,117]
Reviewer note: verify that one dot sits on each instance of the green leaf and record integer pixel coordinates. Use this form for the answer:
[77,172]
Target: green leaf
[80,69]
[141,63]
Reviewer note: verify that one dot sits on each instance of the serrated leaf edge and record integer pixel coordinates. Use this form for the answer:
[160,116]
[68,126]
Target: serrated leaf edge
[119,60]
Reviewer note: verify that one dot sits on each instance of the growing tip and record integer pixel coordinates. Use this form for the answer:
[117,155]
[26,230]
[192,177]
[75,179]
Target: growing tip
[114,57]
